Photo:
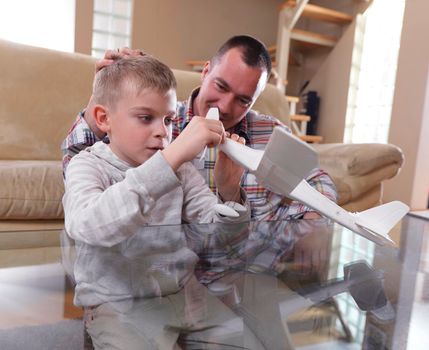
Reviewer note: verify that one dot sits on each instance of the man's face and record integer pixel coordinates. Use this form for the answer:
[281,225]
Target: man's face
[140,125]
[232,86]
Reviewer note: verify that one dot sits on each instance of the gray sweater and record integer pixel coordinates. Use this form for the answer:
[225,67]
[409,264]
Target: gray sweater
[107,201]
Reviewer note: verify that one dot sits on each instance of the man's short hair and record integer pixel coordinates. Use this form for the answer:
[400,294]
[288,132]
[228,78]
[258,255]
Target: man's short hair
[254,52]
[139,73]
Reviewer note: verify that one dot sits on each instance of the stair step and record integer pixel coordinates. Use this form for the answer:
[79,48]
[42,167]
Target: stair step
[272,50]
[292,99]
[313,38]
[306,37]
[311,138]
[300,118]
[293,61]
[321,13]
[196,65]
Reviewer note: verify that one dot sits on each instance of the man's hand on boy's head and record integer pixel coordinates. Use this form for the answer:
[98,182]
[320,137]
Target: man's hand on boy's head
[228,174]
[111,56]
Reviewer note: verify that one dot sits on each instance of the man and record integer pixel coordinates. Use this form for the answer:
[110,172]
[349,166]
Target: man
[231,81]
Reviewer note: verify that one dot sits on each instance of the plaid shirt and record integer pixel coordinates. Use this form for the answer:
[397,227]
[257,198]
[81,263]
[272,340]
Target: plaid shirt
[79,137]
[256,247]
[255,128]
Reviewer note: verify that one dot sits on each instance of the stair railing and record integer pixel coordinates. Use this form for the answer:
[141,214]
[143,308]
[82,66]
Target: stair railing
[288,16]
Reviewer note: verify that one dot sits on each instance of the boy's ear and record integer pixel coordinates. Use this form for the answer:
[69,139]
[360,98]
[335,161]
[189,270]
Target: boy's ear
[101,118]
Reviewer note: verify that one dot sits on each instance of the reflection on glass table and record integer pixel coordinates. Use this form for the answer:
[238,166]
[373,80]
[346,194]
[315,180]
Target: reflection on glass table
[274,285]
[259,285]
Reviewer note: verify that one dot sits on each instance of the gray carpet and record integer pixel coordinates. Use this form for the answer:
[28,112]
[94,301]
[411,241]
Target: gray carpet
[64,335]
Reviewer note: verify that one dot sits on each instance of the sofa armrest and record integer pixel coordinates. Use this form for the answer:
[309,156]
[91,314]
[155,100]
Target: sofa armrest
[359,169]
[358,159]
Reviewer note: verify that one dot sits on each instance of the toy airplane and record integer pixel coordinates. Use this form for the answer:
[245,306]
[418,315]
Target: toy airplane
[283,166]
[362,281]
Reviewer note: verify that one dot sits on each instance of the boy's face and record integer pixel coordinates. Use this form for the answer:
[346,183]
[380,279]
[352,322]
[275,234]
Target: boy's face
[140,125]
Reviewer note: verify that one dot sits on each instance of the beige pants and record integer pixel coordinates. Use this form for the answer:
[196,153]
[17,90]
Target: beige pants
[201,319]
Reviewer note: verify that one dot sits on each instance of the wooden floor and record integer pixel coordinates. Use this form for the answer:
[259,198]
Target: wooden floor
[34,288]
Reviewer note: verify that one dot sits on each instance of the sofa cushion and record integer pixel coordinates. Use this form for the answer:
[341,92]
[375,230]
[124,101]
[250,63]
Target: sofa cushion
[357,169]
[31,190]
[41,92]
[367,200]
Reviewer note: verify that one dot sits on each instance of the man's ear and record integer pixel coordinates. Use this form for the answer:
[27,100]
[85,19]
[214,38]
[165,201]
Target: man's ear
[101,117]
[205,70]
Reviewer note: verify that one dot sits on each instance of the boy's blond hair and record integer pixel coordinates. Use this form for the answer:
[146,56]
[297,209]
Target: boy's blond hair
[136,72]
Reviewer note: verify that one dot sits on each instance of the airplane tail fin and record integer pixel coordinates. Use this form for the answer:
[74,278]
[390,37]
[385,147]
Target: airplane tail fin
[383,218]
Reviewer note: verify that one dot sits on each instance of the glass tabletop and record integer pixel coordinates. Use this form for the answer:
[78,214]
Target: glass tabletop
[305,284]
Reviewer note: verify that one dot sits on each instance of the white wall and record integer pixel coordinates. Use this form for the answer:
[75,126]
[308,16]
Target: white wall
[180,30]
[410,113]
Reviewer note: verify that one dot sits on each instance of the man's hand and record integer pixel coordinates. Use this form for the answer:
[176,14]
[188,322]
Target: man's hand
[113,55]
[311,250]
[228,174]
[311,215]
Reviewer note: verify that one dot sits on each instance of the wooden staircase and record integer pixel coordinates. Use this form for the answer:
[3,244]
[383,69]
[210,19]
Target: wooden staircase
[289,14]
[302,41]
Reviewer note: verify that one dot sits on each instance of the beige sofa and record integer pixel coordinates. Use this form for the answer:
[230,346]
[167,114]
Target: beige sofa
[41,92]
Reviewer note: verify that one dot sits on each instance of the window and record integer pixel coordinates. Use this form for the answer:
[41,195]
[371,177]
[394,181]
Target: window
[112,25]
[372,80]
[44,23]
[347,247]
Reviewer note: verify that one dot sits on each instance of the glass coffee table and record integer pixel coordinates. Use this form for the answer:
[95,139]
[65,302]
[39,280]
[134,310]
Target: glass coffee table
[306,284]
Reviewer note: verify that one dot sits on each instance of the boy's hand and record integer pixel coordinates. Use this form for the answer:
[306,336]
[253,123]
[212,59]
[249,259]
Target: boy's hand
[113,55]
[199,133]
[228,174]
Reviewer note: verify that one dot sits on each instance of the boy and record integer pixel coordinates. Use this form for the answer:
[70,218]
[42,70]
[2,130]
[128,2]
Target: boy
[138,179]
